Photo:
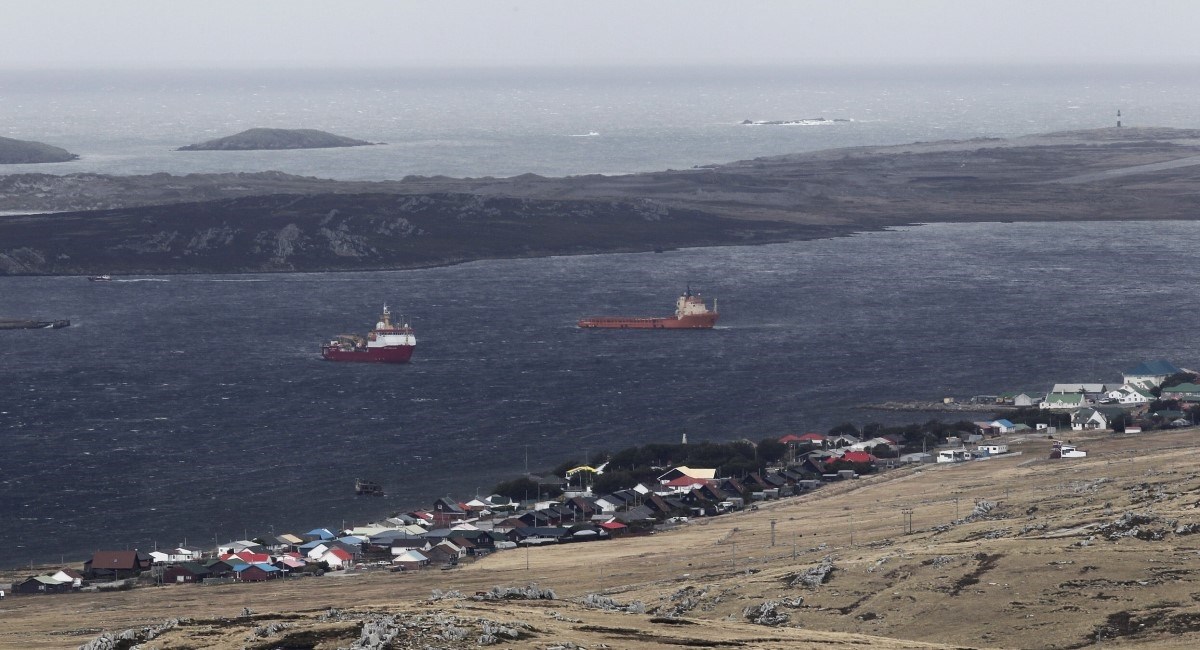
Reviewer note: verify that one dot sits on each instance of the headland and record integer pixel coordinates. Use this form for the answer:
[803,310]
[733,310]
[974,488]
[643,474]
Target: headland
[276,222]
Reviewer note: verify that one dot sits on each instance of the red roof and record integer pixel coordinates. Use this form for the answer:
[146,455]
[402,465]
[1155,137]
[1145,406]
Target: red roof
[807,437]
[340,553]
[858,457]
[613,525]
[253,558]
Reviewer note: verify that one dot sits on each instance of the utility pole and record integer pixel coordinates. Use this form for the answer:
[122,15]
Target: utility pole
[772,532]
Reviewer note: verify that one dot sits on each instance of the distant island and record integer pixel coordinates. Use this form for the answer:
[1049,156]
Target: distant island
[269,221]
[20,152]
[258,139]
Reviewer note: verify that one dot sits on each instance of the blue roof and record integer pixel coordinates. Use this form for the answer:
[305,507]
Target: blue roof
[1147,368]
[1004,423]
[323,533]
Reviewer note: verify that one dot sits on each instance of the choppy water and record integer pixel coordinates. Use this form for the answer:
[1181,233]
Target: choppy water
[198,406]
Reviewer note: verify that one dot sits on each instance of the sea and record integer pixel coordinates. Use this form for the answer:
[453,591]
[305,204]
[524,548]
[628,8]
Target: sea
[196,409]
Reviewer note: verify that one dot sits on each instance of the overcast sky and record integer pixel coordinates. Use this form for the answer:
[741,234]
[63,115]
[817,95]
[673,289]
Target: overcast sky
[386,33]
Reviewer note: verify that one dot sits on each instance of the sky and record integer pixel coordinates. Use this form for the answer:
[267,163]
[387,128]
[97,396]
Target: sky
[462,33]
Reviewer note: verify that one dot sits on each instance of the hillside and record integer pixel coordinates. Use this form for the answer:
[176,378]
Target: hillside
[226,222]
[1013,552]
[355,232]
[260,138]
[17,152]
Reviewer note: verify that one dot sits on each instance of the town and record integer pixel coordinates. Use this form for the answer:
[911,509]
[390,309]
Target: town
[640,491]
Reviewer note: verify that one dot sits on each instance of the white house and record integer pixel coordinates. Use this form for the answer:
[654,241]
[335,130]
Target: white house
[993,448]
[1149,374]
[336,558]
[868,445]
[953,455]
[1026,399]
[1089,419]
[1060,400]
[1130,394]
[844,440]
[1004,426]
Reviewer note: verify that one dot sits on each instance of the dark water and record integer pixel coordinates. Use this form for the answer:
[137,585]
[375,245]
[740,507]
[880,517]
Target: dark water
[197,406]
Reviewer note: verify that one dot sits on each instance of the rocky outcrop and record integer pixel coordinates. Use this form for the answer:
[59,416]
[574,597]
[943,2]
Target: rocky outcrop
[331,232]
[257,139]
[17,152]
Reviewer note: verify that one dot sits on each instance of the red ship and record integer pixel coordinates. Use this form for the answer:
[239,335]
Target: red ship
[690,313]
[387,343]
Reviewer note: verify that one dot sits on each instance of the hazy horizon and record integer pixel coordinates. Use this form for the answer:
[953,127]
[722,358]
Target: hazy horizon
[218,34]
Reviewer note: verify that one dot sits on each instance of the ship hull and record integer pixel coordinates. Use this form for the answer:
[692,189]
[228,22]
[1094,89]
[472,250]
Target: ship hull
[390,354]
[700,322]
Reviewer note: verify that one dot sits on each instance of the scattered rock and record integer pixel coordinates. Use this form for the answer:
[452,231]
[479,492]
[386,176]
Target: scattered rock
[815,576]
[531,592]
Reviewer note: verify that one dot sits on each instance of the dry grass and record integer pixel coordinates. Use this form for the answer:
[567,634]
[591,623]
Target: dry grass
[1018,577]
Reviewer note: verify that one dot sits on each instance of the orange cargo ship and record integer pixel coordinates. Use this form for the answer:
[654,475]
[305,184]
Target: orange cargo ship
[690,313]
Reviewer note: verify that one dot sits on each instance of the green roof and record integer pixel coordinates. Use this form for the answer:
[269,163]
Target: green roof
[1182,388]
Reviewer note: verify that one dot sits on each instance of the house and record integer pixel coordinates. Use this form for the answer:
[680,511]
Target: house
[41,585]
[1087,389]
[533,536]
[953,456]
[247,557]
[806,439]
[1088,419]
[337,558]
[174,556]
[690,472]
[858,457]
[185,572]
[1064,401]
[614,528]
[447,511]
[1129,394]
[219,569]
[984,429]
[844,440]
[1019,398]
[69,575]
[1148,374]
[410,560]
[1181,391]
[115,565]
[289,540]
[993,448]
[870,445]
[1004,426]
[318,534]
[256,572]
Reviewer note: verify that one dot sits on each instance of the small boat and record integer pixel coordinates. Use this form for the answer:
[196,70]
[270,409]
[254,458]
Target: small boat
[368,488]
[100,278]
[34,324]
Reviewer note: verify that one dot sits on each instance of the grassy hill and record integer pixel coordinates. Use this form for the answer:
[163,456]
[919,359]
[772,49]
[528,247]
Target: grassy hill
[1013,552]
